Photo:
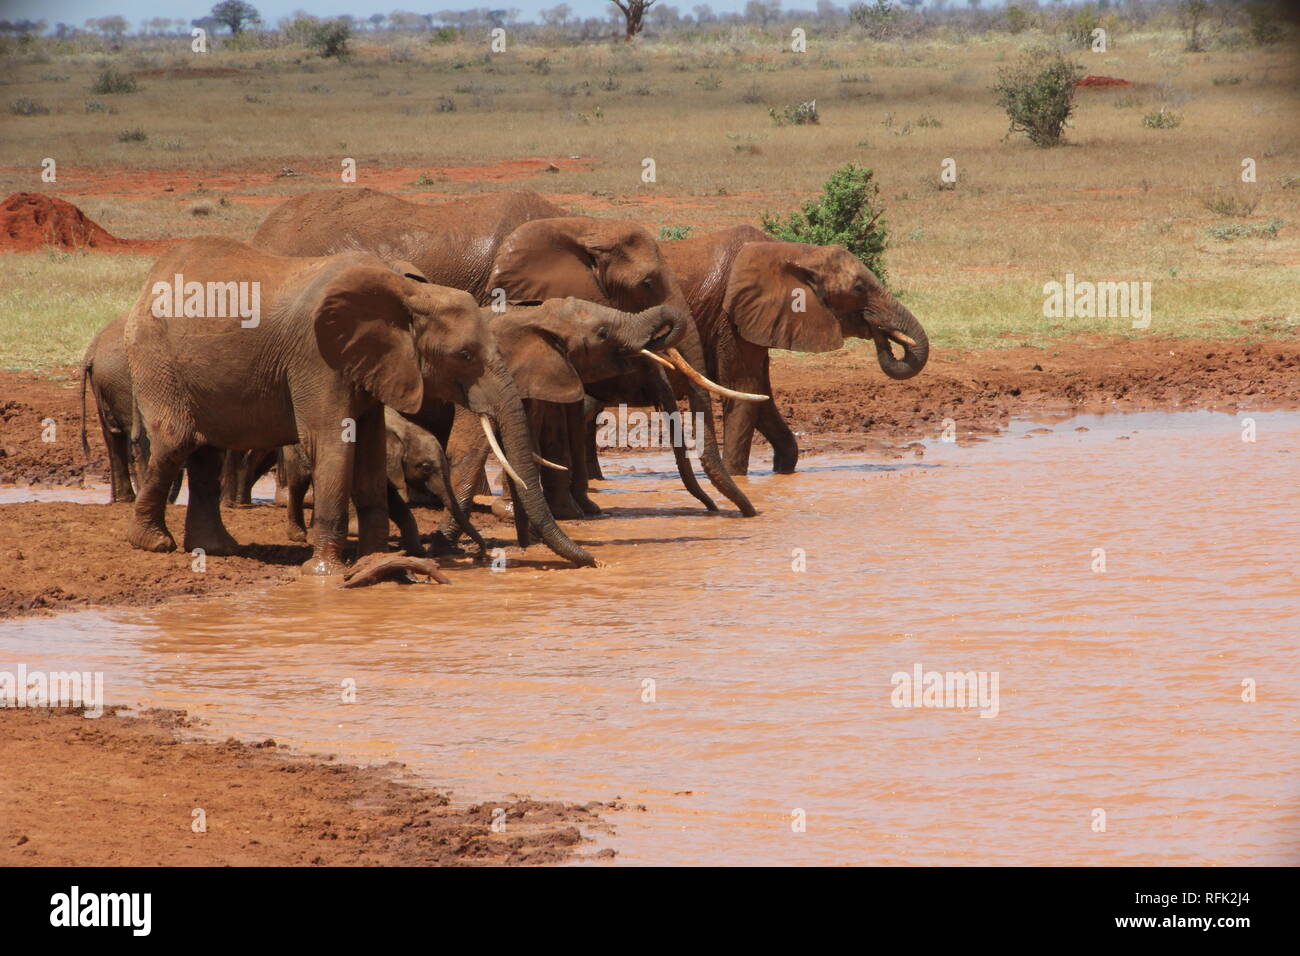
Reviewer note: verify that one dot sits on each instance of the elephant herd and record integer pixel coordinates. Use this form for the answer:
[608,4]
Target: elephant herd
[393,345]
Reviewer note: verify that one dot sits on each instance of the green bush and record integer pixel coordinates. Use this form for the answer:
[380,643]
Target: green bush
[1079,26]
[1244,230]
[331,39]
[1038,95]
[800,114]
[1016,18]
[848,213]
[132,136]
[669,233]
[111,81]
[25,106]
[1163,118]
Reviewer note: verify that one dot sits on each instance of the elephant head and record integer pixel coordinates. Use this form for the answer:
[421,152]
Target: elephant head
[553,348]
[790,295]
[604,261]
[451,355]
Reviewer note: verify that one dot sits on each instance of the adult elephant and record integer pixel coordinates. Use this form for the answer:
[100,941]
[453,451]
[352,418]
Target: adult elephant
[749,293]
[518,247]
[336,338]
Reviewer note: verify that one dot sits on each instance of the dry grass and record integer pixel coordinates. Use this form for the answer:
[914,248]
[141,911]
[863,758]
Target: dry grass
[1119,201]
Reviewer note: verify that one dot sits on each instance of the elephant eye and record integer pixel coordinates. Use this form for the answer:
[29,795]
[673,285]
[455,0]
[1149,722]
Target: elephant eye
[648,282]
[602,333]
[465,354]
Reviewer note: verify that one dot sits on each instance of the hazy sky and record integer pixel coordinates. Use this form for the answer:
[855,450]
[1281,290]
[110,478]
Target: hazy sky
[77,12]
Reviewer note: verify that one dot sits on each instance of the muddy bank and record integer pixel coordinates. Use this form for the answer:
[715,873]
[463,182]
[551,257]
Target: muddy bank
[121,791]
[838,401]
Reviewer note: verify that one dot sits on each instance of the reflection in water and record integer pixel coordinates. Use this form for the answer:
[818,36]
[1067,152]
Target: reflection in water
[1119,690]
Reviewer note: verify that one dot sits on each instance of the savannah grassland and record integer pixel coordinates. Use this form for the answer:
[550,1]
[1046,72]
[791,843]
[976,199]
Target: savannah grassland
[1117,201]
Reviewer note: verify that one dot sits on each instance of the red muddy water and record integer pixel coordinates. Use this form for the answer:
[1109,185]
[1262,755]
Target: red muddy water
[1118,690]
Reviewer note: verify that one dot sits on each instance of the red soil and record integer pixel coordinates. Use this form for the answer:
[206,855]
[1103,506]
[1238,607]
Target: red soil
[1103,81]
[29,221]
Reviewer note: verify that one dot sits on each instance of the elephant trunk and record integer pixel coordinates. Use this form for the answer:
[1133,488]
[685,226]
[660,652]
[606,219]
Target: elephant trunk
[659,327]
[508,410]
[895,324]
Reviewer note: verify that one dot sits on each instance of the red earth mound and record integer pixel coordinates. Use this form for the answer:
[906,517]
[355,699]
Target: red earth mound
[29,221]
[1103,81]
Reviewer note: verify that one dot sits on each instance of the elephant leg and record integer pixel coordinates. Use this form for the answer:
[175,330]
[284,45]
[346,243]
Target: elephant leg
[773,427]
[547,422]
[575,428]
[148,528]
[590,409]
[400,513]
[119,462]
[744,369]
[296,480]
[665,402]
[370,484]
[332,464]
[231,469]
[204,529]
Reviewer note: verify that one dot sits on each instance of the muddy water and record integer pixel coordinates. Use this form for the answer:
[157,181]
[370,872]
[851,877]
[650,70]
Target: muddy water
[1118,690]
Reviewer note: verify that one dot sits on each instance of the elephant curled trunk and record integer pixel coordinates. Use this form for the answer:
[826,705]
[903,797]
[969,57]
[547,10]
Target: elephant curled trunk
[896,325]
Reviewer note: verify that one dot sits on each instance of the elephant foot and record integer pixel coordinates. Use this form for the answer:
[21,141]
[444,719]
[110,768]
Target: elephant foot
[124,498]
[324,563]
[441,547]
[218,543]
[149,537]
[504,509]
[565,508]
[782,468]
[281,497]
[589,507]
[297,533]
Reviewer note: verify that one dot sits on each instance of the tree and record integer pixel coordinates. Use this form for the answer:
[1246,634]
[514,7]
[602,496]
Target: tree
[109,26]
[703,13]
[764,11]
[236,14]
[634,12]
[557,16]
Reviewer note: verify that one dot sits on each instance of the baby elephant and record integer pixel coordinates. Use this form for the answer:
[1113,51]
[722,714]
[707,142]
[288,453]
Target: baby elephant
[417,472]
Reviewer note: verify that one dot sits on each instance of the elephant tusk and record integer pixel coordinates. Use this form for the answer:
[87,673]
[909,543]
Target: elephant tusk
[496,450]
[900,338]
[658,358]
[547,464]
[685,368]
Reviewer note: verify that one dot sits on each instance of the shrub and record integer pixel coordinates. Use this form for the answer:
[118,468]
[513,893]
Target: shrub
[111,81]
[23,106]
[331,39]
[96,106]
[1227,79]
[1163,118]
[1038,95]
[878,18]
[848,213]
[1243,230]
[669,233]
[443,35]
[132,136]
[800,114]
[1264,29]
[1016,18]
[1226,204]
[1079,26]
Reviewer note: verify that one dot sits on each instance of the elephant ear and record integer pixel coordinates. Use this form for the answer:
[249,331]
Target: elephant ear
[363,329]
[537,360]
[546,259]
[768,285]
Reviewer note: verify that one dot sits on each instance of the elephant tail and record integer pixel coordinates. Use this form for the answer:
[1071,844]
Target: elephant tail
[85,374]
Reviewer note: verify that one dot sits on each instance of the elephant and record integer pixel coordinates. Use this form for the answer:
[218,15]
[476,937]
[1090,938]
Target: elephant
[104,369]
[415,465]
[743,288]
[552,350]
[328,342]
[516,247]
